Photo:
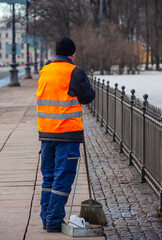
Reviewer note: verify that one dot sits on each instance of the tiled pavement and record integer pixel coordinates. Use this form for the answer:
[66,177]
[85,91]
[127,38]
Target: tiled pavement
[131,207]
[20,176]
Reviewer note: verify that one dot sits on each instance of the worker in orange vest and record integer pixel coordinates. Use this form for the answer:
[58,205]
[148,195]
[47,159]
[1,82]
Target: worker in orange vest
[62,88]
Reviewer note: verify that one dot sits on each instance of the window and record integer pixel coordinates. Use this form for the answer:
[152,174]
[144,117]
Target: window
[6,35]
[22,46]
[6,55]
[22,55]
[0,55]
[0,35]
[0,45]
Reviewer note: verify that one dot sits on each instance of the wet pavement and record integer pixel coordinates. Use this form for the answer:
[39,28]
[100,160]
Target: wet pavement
[20,176]
[131,207]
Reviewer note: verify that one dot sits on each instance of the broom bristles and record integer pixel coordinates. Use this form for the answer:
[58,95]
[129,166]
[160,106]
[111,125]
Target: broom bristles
[93,215]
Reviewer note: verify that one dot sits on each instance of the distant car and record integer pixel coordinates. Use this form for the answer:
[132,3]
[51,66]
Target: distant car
[1,64]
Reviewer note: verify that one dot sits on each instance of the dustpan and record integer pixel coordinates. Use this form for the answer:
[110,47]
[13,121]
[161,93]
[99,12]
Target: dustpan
[78,231]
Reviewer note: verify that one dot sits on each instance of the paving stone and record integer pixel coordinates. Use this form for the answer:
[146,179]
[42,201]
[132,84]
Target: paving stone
[129,203]
[130,207]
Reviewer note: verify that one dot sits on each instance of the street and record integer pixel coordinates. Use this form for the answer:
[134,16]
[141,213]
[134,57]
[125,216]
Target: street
[5,71]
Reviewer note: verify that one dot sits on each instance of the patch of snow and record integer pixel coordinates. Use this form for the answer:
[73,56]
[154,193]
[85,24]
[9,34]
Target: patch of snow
[144,83]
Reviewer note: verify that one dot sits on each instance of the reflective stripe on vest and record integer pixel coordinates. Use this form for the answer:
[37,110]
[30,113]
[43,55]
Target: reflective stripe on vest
[59,115]
[57,103]
[60,193]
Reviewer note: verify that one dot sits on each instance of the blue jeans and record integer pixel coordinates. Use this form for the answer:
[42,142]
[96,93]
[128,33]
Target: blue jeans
[58,166]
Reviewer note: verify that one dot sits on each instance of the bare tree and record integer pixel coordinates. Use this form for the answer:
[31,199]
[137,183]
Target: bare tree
[156,33]
[86,39]
[123,22]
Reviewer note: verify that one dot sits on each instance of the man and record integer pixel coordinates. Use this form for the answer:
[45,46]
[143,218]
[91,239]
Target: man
[62,88]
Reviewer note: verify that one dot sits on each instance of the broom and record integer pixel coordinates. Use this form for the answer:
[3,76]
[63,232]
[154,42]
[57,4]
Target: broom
[91,210]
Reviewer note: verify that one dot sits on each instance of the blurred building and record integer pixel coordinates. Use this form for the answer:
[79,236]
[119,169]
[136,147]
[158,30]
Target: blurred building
[6,45]
[140,49]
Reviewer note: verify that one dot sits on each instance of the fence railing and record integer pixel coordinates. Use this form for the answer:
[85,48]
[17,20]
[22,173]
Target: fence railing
[136,126]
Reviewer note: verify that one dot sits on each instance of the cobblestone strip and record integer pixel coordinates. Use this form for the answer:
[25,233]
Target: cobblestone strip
[130,206]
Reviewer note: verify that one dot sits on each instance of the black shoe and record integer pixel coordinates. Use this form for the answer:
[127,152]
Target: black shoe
[58,229]
[44,226]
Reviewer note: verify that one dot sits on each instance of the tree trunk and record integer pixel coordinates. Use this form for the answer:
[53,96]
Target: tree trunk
[157,35]
[147,35]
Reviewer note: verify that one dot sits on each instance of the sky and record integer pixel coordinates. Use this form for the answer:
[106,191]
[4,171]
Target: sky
[4,10]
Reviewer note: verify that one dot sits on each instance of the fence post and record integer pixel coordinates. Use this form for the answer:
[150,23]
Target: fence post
[114,132]
[103,82]
[131,125]
[145,96]
[89,104]
[160,200]
[98,84]
[94,106]
[122,99]
[107,107]
[160,208]
[92,83]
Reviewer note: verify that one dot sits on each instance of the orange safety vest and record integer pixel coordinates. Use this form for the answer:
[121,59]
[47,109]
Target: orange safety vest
[57,111]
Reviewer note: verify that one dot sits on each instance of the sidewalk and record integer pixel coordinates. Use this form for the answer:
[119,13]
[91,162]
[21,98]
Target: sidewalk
[131,207]
[20,176]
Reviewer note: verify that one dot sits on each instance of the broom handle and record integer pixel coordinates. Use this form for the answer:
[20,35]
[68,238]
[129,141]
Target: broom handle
[86,164]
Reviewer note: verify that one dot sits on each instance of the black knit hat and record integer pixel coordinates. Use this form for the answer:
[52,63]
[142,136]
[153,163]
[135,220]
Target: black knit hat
[65,46]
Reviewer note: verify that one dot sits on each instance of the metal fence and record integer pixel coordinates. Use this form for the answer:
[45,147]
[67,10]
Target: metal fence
[136,126]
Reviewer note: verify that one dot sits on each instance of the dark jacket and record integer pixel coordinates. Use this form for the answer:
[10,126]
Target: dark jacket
[79,84]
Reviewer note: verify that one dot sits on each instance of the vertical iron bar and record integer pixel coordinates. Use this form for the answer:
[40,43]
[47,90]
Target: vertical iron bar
[103,81]
[98,84]
[107,107]
[160,208]
[89,104]
[94,106]
[114,132]
[92,83]
[131,125]
[122,99]
[143,147]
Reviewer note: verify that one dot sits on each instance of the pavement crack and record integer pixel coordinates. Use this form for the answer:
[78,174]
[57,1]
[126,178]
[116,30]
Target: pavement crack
[32,199]
[8,138]
[14,129]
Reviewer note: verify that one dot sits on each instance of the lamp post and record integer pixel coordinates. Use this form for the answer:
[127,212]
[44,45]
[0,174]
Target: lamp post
[41,55]
[46,51]
[35,43]
[28,72]
[13,72]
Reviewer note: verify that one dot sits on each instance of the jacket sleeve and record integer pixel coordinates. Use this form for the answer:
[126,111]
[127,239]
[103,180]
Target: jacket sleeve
[81,87]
